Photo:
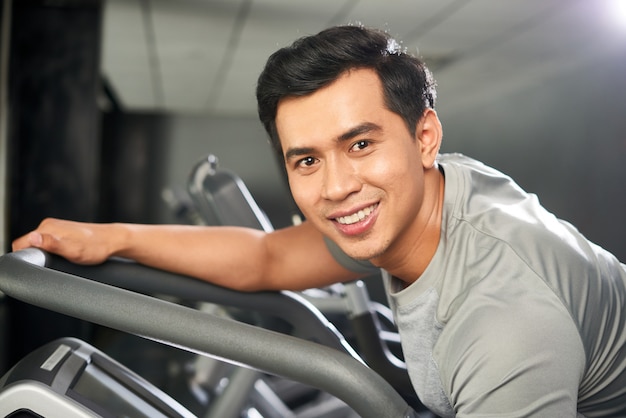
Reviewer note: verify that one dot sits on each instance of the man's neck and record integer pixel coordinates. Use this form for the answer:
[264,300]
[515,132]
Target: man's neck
[410,258]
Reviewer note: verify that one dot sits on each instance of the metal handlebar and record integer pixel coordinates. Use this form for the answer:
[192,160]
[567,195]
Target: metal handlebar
[26,275]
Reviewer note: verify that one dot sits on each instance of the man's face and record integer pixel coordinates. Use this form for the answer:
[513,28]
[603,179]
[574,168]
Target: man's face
[354,169]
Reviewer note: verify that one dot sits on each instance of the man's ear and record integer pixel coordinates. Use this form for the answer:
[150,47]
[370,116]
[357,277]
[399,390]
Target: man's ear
[429,134]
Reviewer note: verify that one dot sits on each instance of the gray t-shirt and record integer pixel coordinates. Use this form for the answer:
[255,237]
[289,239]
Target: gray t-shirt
[517,314]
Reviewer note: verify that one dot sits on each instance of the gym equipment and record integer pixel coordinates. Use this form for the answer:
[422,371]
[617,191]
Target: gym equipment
[70,378]
[221,197]
[32,276]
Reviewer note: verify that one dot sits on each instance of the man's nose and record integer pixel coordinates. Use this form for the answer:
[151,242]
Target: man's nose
[340,180]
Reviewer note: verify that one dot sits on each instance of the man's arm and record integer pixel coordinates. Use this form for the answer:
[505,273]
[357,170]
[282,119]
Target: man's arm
[245,259]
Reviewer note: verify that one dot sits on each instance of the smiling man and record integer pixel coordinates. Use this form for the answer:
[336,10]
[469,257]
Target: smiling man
[503,309]
[348,158]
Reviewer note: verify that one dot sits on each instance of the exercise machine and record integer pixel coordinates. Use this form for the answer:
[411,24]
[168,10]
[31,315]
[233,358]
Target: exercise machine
[114,295]
[70,378]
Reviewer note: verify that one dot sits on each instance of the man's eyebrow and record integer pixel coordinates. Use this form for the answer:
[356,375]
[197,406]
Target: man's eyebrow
[295,152]
[360,129]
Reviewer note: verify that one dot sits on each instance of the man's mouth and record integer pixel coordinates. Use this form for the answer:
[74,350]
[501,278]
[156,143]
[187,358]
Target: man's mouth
[356,217]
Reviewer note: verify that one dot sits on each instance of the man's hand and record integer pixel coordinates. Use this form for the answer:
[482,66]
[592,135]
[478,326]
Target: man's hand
[82,243]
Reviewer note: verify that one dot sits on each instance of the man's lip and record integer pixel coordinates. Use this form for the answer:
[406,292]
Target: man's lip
[333,216]
[360,227]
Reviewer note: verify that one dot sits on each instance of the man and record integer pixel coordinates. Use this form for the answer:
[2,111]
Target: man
[503,309]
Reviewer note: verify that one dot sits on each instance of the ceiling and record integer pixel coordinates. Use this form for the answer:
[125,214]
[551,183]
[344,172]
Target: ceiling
[203,56]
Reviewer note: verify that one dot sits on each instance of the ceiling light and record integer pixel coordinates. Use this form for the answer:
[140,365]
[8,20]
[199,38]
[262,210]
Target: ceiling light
[618,10]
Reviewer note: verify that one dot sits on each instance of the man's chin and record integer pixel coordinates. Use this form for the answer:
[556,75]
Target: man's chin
[361,252]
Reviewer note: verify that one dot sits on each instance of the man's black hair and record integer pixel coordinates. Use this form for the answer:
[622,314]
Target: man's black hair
[313,62]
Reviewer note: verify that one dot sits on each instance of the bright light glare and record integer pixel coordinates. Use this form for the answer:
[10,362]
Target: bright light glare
[618,10]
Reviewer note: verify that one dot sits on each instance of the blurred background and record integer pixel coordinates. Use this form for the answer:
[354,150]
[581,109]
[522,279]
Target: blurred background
[105,106]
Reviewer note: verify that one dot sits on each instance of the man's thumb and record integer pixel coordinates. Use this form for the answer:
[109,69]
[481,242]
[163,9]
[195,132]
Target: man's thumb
[35,239]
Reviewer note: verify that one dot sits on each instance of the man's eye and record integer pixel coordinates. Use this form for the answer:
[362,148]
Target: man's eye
[359,145]
[306,162]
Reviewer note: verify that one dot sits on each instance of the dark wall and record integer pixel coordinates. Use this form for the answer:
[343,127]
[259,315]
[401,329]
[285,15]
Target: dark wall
[563,139]
[134,148]
[53,140]
[54,119]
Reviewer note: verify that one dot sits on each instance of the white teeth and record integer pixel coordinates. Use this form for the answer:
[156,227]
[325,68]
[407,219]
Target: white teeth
[356,217]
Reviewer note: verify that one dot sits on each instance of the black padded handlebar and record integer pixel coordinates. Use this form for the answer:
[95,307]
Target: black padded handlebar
[129,275]
[25,275]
